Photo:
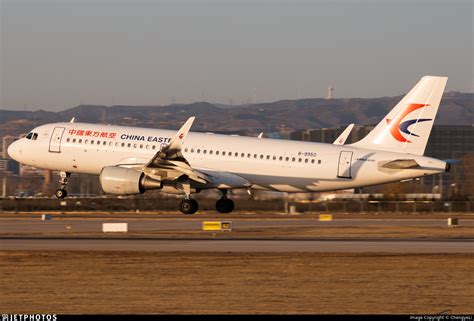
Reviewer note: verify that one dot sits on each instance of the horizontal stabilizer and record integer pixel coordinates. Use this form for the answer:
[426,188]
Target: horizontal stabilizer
[452,161]
[400,164]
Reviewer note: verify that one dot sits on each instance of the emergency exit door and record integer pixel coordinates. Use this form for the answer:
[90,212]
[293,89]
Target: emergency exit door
[344,168]
[55,141]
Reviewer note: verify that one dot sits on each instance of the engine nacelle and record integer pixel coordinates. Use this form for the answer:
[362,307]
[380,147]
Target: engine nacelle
[124,181]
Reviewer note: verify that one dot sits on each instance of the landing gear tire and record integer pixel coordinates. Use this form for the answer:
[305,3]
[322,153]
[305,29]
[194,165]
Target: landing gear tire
[60,193]
[188,206]
[63,179]
[224,205]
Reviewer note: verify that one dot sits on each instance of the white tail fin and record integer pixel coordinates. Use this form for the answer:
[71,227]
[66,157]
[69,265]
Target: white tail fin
[407,127]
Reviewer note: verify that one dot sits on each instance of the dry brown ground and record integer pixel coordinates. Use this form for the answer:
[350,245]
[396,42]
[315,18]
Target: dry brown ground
[143,282]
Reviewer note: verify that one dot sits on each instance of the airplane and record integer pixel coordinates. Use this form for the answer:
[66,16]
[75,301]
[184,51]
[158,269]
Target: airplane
[131,160]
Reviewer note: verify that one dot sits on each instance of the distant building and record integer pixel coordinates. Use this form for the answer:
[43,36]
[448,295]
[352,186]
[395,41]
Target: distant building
[9,165]
[450,142]
[445,142]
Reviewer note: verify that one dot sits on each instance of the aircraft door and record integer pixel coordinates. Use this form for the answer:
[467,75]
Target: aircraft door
[344,167]
[55,141]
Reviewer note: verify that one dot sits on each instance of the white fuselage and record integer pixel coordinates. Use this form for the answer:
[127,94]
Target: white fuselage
[271,164]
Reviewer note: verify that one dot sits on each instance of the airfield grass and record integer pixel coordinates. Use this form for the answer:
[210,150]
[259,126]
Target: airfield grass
[184,283]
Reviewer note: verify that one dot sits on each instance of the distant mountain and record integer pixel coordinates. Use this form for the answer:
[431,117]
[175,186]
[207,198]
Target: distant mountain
[456,108]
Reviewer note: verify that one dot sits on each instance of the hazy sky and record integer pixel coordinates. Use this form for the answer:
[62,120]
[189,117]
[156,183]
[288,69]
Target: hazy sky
[58,54]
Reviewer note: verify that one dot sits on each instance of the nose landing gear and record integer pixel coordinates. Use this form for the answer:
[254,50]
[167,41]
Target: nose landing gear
[188,206]
[62,193]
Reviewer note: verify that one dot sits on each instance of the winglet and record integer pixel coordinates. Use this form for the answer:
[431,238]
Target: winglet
[178,139]
[343,137]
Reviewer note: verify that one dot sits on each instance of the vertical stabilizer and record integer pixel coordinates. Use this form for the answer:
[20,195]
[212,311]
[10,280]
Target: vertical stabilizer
[407,127]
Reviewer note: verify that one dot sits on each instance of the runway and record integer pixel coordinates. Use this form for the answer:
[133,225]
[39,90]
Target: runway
[249,234]
[407,246]
[35,225]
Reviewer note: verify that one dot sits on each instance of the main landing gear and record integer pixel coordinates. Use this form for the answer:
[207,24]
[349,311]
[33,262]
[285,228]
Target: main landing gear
[62,193]
[190,206]
[224,204]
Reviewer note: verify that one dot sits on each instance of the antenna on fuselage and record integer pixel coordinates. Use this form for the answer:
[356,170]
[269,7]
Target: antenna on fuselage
[72,119]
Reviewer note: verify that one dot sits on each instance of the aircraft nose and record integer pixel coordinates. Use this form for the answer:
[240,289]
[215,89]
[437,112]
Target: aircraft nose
[13,150]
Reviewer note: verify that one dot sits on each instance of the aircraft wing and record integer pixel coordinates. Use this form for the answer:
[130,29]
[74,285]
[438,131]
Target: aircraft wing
[343,137]
[169,162]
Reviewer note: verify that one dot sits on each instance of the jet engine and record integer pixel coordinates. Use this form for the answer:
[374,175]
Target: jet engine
[124,181]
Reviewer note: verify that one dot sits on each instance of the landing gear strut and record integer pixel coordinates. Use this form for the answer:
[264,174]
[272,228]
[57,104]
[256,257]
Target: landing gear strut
[224,204]
[62,193]
[188,205]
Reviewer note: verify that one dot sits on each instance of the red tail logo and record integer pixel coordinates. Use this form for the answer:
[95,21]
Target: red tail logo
[397,127]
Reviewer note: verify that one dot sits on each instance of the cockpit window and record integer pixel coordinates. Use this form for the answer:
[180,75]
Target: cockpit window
[32,136]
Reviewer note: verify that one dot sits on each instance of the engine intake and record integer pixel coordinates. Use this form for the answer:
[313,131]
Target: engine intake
[126,181]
